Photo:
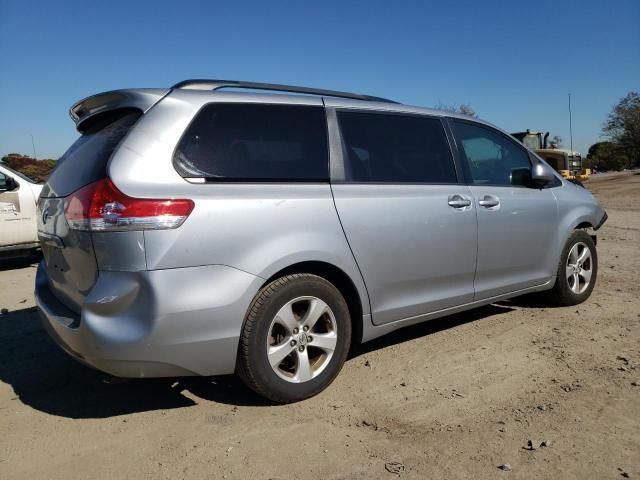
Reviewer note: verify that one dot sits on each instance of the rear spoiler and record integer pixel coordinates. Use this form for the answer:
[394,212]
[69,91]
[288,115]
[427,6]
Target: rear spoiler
[140,98]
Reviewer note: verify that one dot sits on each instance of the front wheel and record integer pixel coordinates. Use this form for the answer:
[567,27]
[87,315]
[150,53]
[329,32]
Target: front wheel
[295,338]
[577,270]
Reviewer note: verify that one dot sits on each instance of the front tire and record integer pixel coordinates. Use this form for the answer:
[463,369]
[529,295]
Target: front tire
[577,270]
[295,338]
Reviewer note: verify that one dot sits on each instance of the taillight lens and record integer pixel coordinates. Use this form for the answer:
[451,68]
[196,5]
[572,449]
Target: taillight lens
[100,206]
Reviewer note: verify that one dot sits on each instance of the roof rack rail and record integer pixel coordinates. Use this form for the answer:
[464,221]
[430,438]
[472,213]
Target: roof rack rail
[204,84]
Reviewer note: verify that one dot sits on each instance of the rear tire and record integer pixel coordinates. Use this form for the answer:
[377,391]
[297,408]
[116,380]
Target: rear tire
[295,338]
[577,270]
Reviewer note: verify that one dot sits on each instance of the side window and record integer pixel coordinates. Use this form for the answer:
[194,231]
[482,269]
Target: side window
[395,148]
[3,181]
[257,142]
[493,159]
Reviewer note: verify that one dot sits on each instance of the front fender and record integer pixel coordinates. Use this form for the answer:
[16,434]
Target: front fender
[577,208]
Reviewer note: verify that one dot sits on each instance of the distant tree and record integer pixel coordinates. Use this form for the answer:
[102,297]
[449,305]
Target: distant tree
[607,156]
[33,172]
[466,109]
[463,109]
[556,141]
[622,127]
[37,170]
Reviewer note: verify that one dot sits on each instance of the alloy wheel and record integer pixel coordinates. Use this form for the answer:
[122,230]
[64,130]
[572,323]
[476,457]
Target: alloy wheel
[302,339]
[579,268]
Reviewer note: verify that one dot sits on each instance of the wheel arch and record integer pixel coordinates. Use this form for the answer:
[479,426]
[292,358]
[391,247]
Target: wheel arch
[583,221]
[583,226]
[340,280]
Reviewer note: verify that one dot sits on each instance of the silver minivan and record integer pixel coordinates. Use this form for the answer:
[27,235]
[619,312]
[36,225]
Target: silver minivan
[208,229]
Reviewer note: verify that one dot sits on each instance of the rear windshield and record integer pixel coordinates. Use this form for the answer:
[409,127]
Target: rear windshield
[86,160]
[255,142]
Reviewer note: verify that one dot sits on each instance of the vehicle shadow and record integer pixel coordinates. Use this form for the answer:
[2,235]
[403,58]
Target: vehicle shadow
[10,261]
[47,379]
[531,300]
[427,328]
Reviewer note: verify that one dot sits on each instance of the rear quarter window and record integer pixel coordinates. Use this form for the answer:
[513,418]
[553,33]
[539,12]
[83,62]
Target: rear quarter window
[255,142]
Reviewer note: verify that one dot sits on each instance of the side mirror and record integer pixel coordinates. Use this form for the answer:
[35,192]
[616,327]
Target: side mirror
[541,174]
[9,185]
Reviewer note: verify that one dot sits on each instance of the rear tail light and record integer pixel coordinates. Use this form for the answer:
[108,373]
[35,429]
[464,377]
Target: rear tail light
[100,206]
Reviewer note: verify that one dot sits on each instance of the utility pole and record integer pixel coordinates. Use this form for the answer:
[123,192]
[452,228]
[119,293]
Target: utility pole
[570,126]
[33,144]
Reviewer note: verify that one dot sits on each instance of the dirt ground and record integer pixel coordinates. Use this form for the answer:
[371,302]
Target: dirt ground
[453,398]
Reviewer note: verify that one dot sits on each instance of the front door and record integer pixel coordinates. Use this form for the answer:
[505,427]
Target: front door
[410,224]
[517,222]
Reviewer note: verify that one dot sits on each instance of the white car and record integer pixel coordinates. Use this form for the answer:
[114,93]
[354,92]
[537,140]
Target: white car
[18,221]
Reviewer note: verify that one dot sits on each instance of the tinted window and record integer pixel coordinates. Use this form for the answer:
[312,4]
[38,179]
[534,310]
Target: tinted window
[86,160]
[493,159]
[395,148]
[255,142]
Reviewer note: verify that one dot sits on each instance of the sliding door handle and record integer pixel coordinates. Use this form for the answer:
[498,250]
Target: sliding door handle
[489,201]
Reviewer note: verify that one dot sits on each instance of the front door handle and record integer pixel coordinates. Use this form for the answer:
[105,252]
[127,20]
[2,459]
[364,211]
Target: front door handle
[459,202]
[489,201]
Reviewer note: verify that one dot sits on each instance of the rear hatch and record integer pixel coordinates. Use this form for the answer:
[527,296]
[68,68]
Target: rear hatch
[69,254]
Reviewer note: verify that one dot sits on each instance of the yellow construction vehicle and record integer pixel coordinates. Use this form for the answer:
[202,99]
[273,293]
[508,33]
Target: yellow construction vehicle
[566,162]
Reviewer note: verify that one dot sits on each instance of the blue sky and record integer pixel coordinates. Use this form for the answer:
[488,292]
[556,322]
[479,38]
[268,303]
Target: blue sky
[497,56]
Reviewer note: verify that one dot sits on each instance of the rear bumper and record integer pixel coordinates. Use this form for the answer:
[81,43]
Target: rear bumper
[160,323]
